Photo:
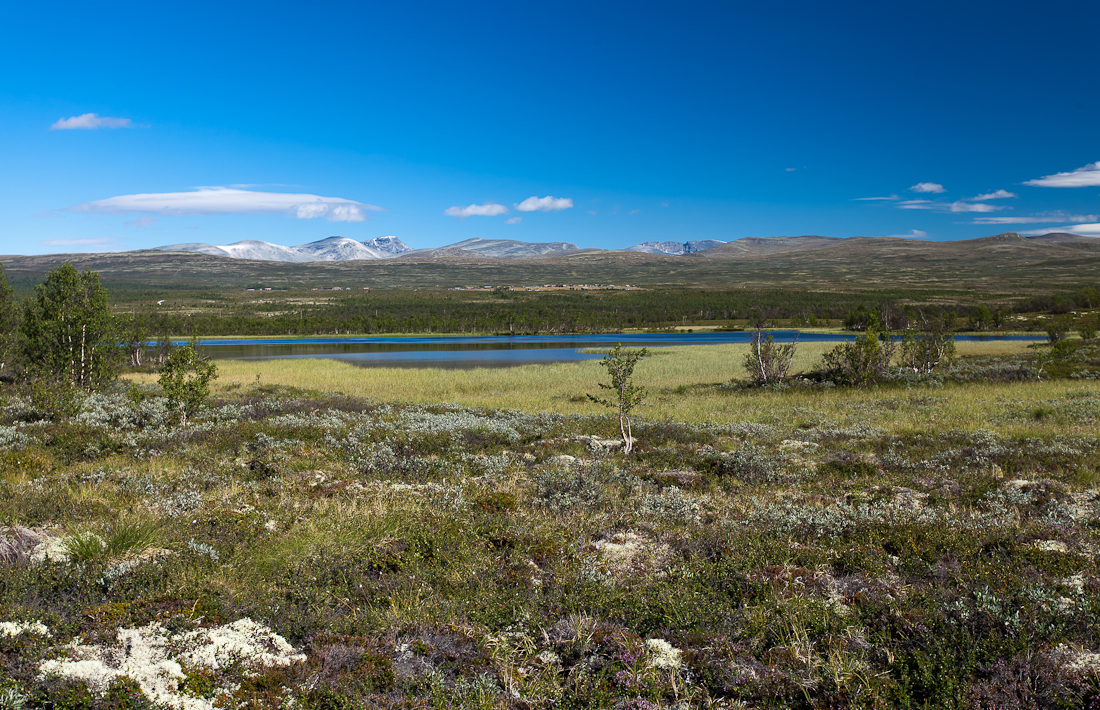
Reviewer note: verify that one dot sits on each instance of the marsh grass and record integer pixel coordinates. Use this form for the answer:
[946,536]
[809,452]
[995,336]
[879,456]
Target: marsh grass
[683,381]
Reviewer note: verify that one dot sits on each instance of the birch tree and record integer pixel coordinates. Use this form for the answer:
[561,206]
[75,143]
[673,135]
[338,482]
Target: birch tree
[68,331]
[9,323]
[620,366]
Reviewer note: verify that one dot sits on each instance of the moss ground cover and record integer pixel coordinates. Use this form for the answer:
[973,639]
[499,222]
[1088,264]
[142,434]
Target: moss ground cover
[341,538]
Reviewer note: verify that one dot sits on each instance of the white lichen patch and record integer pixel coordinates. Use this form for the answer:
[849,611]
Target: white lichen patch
[242,641]
[1051,546]
[1076,661]
[796,446]
[662,654]
[51,550]
[155,660]
[32,628]
[626,554]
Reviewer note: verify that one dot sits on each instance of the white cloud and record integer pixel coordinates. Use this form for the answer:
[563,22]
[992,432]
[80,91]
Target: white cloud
[961,206]
[224,201]
[913,234]
[791,170]
[1084,230]
[933,187]
[545,204]
[917,205]
[97,242]
[995,195]
[489,209]
[1088,176]
[89,121]
[140,222]
[635,211]
[513,220]
[1041,218]
[887,198]
[592,212]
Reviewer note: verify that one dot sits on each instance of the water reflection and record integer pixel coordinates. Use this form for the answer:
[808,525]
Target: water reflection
[486,351]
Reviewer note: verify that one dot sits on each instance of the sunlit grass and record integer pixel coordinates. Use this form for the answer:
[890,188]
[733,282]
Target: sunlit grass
[683,384]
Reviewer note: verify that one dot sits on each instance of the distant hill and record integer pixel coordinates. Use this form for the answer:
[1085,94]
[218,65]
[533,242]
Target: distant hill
[755,246]
[503,248]
[388,245]
[675,248]
[330,249]
[1002,264]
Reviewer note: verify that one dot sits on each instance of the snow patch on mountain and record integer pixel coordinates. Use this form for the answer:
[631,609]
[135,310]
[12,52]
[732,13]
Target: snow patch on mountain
[330,249]
[675,248]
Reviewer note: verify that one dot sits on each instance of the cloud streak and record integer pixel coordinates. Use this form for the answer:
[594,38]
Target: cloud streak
[927,187]
[228,201]
[489,209]
[1088,176]
[90,121]
[1084,230]
[961,206]
[545,204]
[96,242]
[1038,219]
[995,195]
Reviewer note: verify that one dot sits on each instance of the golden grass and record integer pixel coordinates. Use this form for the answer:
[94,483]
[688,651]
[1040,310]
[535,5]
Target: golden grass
[681,383]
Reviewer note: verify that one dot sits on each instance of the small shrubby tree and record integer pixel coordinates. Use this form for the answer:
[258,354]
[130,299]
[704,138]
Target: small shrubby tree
[620,366]
[69,334]
[862,361]
[931,349]
[185,379]
[1056,330]
[768,362]
[135,342]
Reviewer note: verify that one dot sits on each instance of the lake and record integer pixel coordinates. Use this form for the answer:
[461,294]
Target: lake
[464,352]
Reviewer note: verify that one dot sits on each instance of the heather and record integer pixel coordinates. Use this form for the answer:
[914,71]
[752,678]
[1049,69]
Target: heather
[904,544]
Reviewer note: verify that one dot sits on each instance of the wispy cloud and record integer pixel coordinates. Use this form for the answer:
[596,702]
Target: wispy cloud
[1041,218]
[513,220]
[141,222]
[888,198]
[918,205]
[1084,230]
[928,187]
[913,234]
[995,195]
[90,121]
[1088,176]
[94,243]
[961,206]
[545,204]
[226,201]
[489,209]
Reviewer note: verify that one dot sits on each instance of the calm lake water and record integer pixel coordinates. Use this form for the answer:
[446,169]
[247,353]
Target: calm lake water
[486,351]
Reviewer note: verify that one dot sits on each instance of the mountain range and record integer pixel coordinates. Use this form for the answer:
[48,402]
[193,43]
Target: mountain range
[390,247]
[1003,263]
[331,249]
[675,248]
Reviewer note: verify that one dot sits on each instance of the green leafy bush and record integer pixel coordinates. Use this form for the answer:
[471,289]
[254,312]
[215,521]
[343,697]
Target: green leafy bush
[185,378]
[860,362]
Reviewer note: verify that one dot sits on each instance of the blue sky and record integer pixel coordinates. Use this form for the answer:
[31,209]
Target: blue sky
[131,125]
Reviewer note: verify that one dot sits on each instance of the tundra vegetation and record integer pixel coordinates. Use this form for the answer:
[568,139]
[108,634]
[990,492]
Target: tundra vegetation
[324,537]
